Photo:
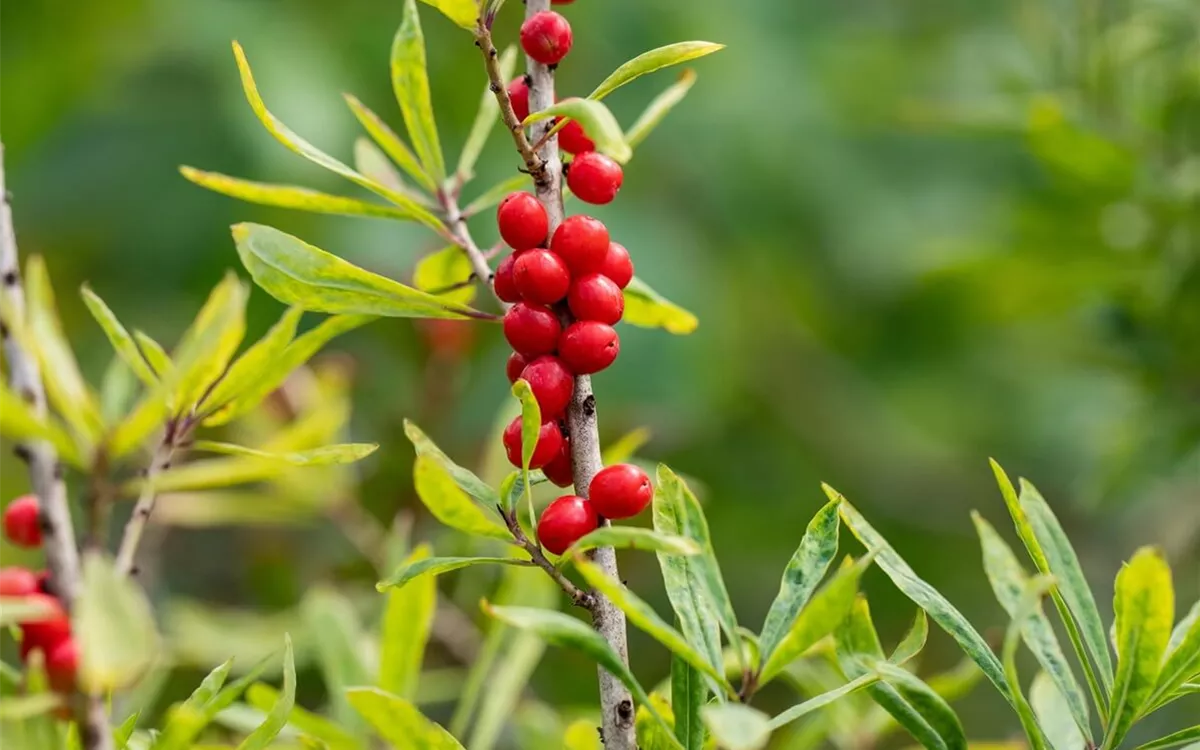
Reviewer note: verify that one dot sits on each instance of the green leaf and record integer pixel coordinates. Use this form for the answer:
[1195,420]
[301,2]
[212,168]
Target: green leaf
[643,617]
[1009,582]
[410,82]
[375,165]
[658,108]
[154,353]
[826,610]
[277,718]
[335,631]
[292,196]
[940,726]
[1144,605]
[646,308]
[1027,604]
[19,708]
[648,62]
[531,428]
[625,447]
[924,596]
[18,421]
[446,273]
[689,694]
[1183,659]
[115,627]
[1183,736]
[737,727]
[595,118]
[693,583]
[298,145]
[465,13]
[913,641]
[449,504]
[803,573]
[581,735]
[186,720]
[1054,715]
[562,630]
[210,474]
[124,731]
[121,341]
[262,697]
[824,699]
[648,733]
[489,109]
[390,143]
[16,610]
[466,480]
[210,342]
[329,455]
[296,273]
[246,371]
[407,619]
[496,193]
[399,722]
[632,537]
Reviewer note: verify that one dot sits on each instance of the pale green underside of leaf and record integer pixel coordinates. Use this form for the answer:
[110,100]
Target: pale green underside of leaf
[633,537]
[467,481]
[1054,715]
[446,273]
[646,308]
[689,694]
[434,566]
[449,504]
[737,727]
[1182,737]
[115,627]
[392,145]
[596,119]
[648,62]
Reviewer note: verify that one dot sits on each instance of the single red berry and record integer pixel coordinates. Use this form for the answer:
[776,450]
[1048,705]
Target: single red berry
[620,491]
[62,663]
[516,363]
[552,384]
[503,283]
[588,346]
[594,178]
[541,276]
[549,443]
[596,297]
[565,521]
[523,221]
[582,242]
[546,37]
[531,329]
[559,470]
[48,632]
[573,139]
[21,524]
[518,94]
[617,265]
[15,581]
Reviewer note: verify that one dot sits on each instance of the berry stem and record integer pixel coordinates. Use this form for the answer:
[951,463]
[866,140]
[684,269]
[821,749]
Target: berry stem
[45,472]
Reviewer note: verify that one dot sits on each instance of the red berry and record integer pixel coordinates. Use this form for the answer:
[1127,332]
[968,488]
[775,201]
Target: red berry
[565,521]
[546,37]
[47,633]
[21,524]
[588,346]
[531,329]
[541,276]
[573,139]
[617,265]
[559,470]
[549,443]
[518,94]
[596,297]
[552,384]
[523,221]
[620,491]
[16,581]
[62,663]
[516,363]
[582,242]
[594,178]
[503,283]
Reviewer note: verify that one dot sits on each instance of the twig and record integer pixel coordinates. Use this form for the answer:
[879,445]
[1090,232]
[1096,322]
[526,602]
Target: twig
[159,462]
[578,596]
[462,237]
[45,472]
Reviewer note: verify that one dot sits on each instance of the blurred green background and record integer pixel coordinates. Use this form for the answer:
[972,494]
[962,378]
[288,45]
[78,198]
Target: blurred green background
[917,234]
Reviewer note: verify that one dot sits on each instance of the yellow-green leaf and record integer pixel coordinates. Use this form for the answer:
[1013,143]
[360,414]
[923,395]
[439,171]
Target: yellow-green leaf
[329,455]
[263,696]
[211,473]
[15,610]
[291,196]
[120,339]
[463,12]
[595,118]
[531,428]
[154,353]
[337,633]
[648,62]
[489,108]
[399,722]
[115,627]
[1144,605]
[633,537]
[279,714]
[626,447]
[449,504]
[736,726]
[647,308]
[464,478]
[434,566]
[658,109]
[211,341]
[581,734]
[18,421]
[391,143]
[446,273]
[410,82]
[407,619]
[260,357]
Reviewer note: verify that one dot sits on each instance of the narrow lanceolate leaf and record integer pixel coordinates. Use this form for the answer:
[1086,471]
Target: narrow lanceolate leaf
[407,619]
[296,144]
[632,537]
[446,273]
[803,574]
[625,447]
[940,726]
[462,12]
[115,626]
[913,641]
[18,421]
[689,694]
[390,143]
[296,273]
[375,165]
[659,108]
[1009,582]
[209,342]
[596,119]
[291,196]
[334,628]
[329,455]
[277,717]
[186,720]
[738,727]
[646,308]
[649,734]
[249,368]
[648,62]
[449,504]
[824,699]
[925,596]
[1175,739]
[1183,659]
[466,480]
[559,629]
[312,726]
[1054,715]
[399,722]
[1144,605]
[644,618]
[1029,602]
[489,108]
[531,428]
[496,193]
[414,569]
[410,81]
[122,342]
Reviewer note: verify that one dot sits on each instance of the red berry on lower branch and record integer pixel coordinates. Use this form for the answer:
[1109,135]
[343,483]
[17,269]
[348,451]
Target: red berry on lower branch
[522,220]
[596,297]
[588,346]
[21,524]
[549,443]
[582,242]
[546,37]
[15,581]
[620,491]
[594,178]
[516,363]
[531,329]
[62,664]
[565,521]
[541,276]
[559,470]
[573,139]
[617,265]
[503,283]
[552,384]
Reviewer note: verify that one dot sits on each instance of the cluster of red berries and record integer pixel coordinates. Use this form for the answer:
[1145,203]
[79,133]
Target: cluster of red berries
[51,635]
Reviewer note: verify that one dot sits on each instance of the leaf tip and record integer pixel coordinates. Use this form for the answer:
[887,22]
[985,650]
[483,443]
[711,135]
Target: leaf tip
[832,494]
